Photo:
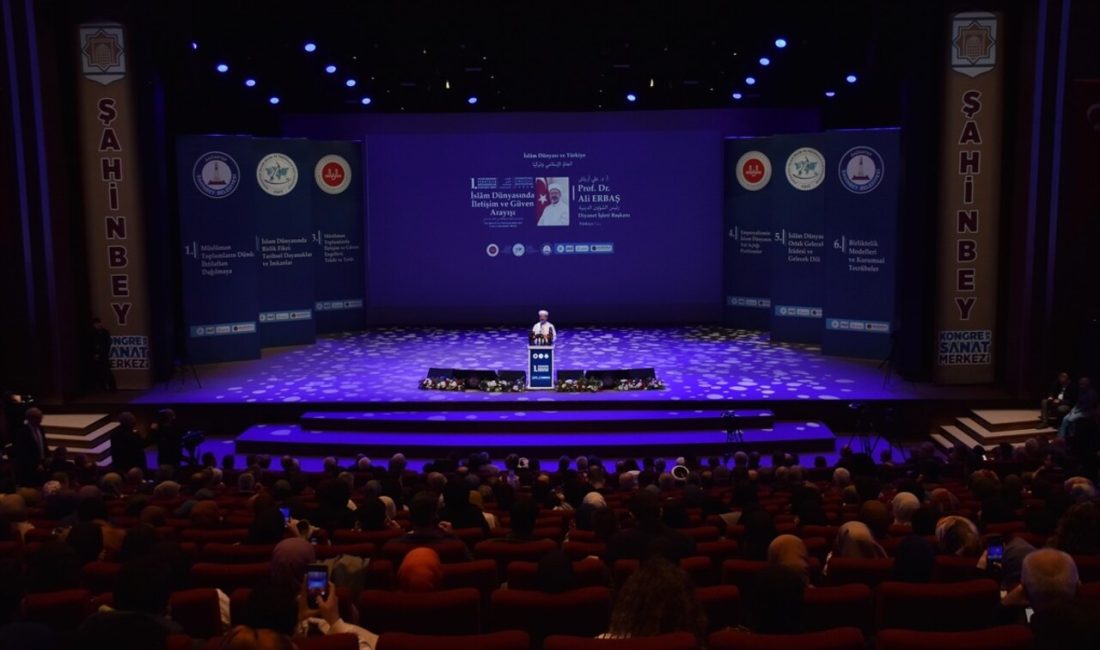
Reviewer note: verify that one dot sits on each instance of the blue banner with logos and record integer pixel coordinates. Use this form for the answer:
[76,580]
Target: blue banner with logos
[861,214]
[748,225]
[798,237]
[337,183]
[220,265]
[280,181]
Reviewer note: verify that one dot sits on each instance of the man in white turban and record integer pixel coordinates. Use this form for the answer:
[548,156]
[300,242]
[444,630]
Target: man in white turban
[556,213]
[544,328]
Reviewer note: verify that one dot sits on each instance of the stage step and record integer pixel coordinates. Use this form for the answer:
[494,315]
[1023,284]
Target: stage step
[1007,419]
[81,433]
[536,421]
[987,437]
[295,440]
[955,435]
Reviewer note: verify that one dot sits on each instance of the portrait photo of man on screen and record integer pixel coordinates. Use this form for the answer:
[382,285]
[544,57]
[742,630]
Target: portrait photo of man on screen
[552,201]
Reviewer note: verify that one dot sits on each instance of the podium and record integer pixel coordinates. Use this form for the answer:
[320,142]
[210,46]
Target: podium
[540,367]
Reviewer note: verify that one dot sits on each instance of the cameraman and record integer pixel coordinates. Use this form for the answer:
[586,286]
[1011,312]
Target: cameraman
[169,439]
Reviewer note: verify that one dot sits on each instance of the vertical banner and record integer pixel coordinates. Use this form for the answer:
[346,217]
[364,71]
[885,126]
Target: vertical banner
[114,223]
[337,187]
[861,222]
[970,188]
[748,250]
[220,265]
[284,229]
[798,236]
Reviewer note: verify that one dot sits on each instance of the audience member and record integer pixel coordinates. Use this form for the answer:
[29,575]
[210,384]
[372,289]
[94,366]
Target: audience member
[658,598]
[789,552]
[420,571]
[775,602]
[958,536]
[914,560]
[649,536]
[1061,620]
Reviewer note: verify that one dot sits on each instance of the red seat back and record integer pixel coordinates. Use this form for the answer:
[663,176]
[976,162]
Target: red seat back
[589,572]
[937,607]
[841,638]
[60,610]
[842,606]
[952,568]
[579,550]
[454,611]
[1007,637]
[197,611]
[99,577]
[203,536]
[581,612]
[506,640]
[224,553]
[228,577]
[868,571]
[479,574]
[361,549]
[376,537]
[450,550]
[675,641]
[722,604]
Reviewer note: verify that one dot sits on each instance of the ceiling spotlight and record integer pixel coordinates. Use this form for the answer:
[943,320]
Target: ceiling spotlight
[273,100]
[737,95]
[471,100]
[331,69]
[310,46]
[765,61]
[651,82]
[250,82]
[194,45]
[221,67]
[446,85]
[781,42]
[631,97]
[365,101]
[751,81]
[851,78]
[350,83]
[830,93]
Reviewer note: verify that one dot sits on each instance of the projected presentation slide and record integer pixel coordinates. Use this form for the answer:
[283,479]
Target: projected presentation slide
[597,227]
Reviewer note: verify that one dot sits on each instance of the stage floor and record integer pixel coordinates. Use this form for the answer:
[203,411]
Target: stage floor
[698,364]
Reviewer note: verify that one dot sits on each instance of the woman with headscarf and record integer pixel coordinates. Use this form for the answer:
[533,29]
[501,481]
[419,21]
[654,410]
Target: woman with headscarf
[420,571]
[904,505]
[958,536]
[854,540]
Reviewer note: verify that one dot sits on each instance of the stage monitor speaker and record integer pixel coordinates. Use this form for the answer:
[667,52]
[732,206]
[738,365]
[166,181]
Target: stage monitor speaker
[642,373]
[441,373]
[610,378]
[567,375]
[512,375]
[479,375]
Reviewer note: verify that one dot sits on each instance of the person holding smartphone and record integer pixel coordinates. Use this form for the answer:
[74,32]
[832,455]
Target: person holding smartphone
[319,610]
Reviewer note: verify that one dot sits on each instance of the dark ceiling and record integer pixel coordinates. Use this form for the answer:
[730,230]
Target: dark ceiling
[434,56]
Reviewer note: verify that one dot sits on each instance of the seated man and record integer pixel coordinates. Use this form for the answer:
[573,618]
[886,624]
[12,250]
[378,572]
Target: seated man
[1061,619]
[1059,400]
[426,528]
[1083,408]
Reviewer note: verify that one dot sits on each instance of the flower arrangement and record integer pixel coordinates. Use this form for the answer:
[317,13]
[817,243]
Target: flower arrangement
[442,383]
[640,384]
[585,385]
[502,386]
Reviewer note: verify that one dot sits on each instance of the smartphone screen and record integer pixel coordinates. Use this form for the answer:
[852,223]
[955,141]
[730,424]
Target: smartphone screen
[286,513]
[995,551]
[316,583]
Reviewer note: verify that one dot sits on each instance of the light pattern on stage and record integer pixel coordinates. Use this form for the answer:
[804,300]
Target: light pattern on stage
[385,365]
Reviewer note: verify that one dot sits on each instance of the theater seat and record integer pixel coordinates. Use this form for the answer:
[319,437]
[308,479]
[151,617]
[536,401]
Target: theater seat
[936,607]
[699,568]
[579,550]
[479,574]
[223,553]
[99,577]
[1089,590]
[722,604]
[451,550]
[197,611]
[868,571]
[589,572]
[1008,637]
[581,612]
[841,606]
[376,537]
[453,611]
[952,568]
[362,549]
[841,638]
[1088,567]
[228,577]
[60,610]
[506,640]
[224,535]
[675,641]
[718,550]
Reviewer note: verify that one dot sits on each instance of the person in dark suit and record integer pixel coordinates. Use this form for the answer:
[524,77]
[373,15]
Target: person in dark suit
[1058,401]
[169,439]
[127,446]
[103,376]
[29,449]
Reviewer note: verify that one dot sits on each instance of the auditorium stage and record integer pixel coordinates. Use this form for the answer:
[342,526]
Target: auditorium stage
[699,364]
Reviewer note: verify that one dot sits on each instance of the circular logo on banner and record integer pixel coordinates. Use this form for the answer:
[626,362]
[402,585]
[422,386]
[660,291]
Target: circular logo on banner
[492,250]
[754,170]
[216,174]
[805,168]
[333,174]
[861,169]
[277,174]
[518,250]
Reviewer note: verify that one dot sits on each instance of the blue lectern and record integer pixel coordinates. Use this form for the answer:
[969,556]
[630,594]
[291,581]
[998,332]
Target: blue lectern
[540,367]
